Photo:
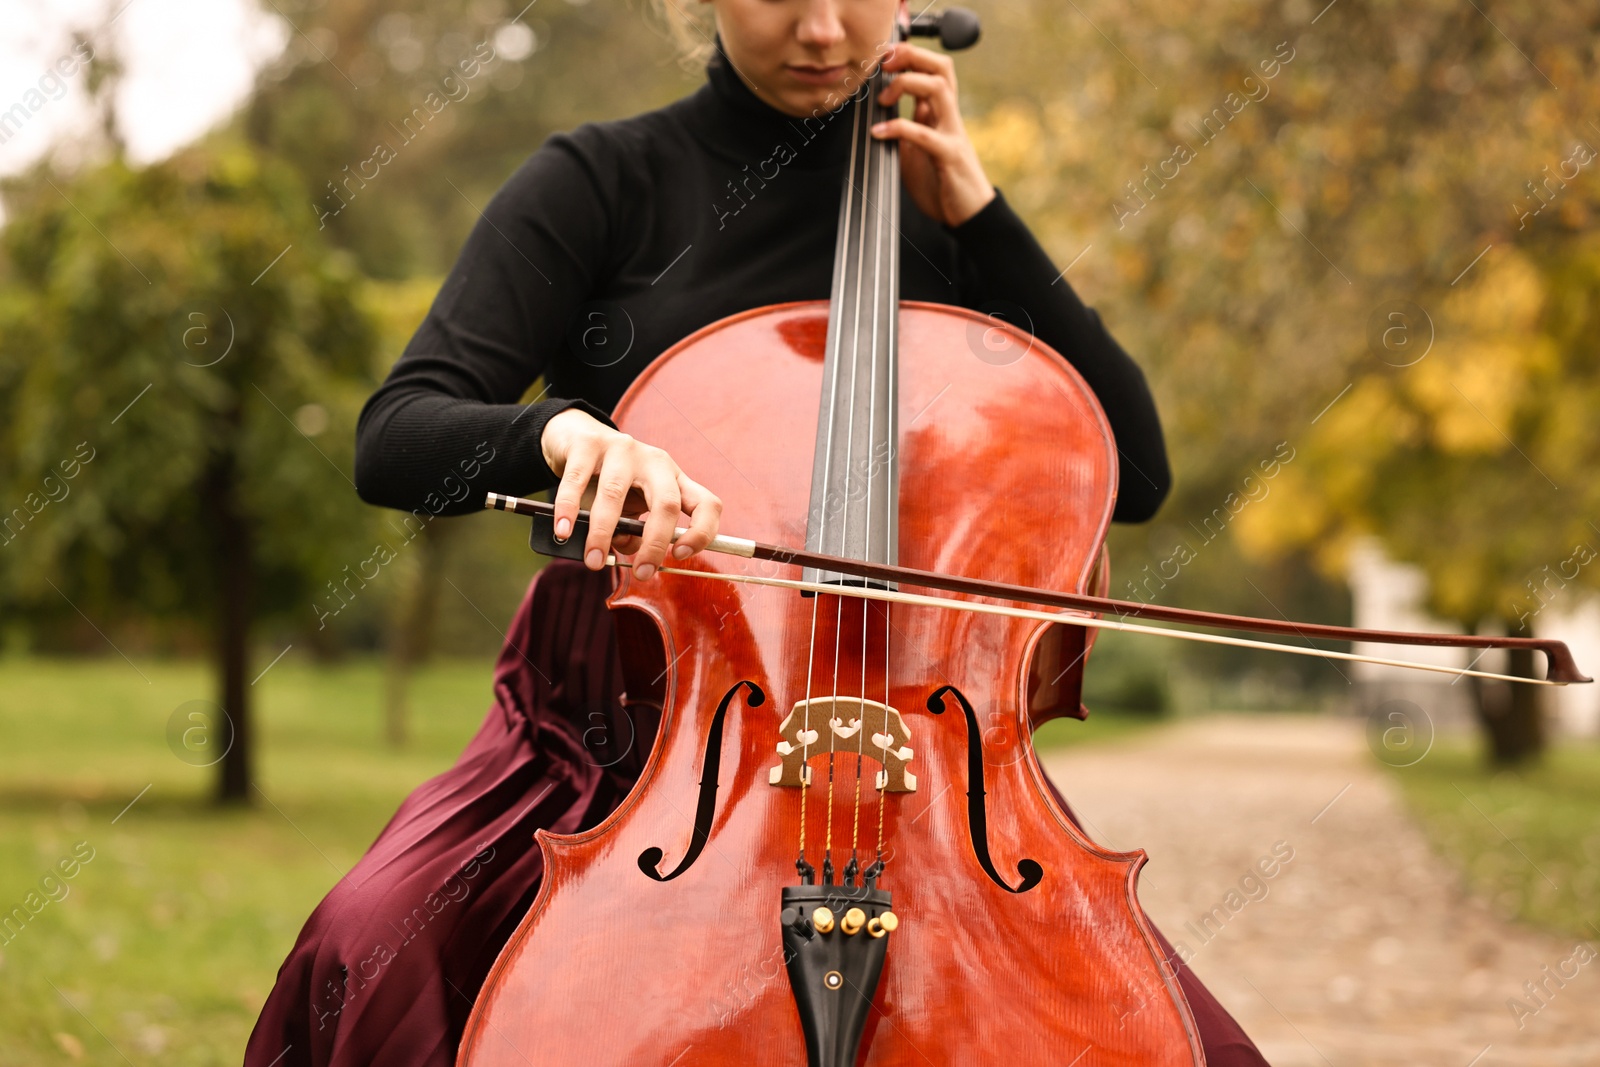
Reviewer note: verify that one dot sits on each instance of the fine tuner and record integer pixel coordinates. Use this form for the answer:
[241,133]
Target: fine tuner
[852,922]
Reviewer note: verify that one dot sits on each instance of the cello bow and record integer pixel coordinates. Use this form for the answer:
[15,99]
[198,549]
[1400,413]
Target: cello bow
[1560,666]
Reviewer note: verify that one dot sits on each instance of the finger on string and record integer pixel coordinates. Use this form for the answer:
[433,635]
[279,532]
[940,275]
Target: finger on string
[924,137]
[905,56]
[926,88]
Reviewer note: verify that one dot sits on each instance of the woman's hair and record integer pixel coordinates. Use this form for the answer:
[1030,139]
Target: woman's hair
[691,26]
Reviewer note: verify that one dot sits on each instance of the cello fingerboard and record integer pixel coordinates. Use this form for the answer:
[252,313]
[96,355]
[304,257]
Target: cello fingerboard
[854,505]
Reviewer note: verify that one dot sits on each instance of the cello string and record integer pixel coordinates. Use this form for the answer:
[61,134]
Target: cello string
[892,167]
[836,315]
[861,131]
[878,155]
[805,730]
[838,626]
[861,725]
[883,782]
[884,314]
[1067,618]
[836,321]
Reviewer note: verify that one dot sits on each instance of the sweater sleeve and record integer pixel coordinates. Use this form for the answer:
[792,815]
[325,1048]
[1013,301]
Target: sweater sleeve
[445,426]
[1001,259]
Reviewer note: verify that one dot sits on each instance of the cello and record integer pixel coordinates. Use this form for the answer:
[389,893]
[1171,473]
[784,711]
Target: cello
[842,848]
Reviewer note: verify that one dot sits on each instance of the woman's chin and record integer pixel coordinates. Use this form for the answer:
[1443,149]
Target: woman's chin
[806,100]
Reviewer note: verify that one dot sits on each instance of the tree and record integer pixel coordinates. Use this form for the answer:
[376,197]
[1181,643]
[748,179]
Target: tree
[1249,188]
[181,362]
[403,118]
[1474,462]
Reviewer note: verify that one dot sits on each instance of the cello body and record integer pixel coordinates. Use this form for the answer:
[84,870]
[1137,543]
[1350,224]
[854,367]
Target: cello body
[655,939]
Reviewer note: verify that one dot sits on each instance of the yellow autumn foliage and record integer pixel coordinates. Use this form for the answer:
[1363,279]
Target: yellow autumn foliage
[1296,513]
[1507,296]
[1471,393]
[1008,139]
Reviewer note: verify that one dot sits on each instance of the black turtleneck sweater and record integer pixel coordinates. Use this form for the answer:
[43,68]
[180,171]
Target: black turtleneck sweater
[613,242]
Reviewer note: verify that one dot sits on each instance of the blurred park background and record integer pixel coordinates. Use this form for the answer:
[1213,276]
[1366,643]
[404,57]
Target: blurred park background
[1352,246]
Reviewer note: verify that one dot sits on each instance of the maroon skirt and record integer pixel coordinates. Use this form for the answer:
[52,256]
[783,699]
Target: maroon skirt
[388,965]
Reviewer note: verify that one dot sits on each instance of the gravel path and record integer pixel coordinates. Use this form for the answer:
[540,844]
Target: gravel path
[1361,948]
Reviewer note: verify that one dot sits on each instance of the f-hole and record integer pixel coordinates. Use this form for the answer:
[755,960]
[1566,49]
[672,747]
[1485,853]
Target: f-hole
[977,813]
[710,768]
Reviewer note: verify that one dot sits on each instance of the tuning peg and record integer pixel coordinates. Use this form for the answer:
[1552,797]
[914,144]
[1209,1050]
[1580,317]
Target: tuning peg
[956,27]
[853,921]
[822,919]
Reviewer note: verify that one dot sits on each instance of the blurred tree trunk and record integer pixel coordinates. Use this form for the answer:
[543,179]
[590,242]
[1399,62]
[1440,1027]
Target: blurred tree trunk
[234,562]
[411,636]
[1512,715]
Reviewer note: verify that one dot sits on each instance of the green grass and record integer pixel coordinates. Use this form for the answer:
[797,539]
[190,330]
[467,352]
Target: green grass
[1528,841]
[169,938]
[1103,724]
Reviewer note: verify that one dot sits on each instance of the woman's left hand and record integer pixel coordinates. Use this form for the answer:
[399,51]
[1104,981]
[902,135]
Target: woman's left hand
[939,164]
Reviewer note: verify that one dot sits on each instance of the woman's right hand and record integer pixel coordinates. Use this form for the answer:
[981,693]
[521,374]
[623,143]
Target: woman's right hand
[613,475]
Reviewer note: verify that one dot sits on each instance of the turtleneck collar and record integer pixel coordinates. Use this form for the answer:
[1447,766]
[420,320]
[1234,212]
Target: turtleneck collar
[739,125]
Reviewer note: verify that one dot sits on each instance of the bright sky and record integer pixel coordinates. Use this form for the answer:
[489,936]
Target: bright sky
[189,64]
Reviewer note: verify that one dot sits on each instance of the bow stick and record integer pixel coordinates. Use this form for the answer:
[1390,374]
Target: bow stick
[1560,668]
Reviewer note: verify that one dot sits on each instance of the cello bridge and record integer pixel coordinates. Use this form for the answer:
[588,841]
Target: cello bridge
[850,725]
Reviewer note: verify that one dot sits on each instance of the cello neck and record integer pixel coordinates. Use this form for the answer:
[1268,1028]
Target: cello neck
[854,503]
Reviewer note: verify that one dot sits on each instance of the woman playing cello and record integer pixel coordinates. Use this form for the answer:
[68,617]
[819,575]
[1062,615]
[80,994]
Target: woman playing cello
[609,244]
